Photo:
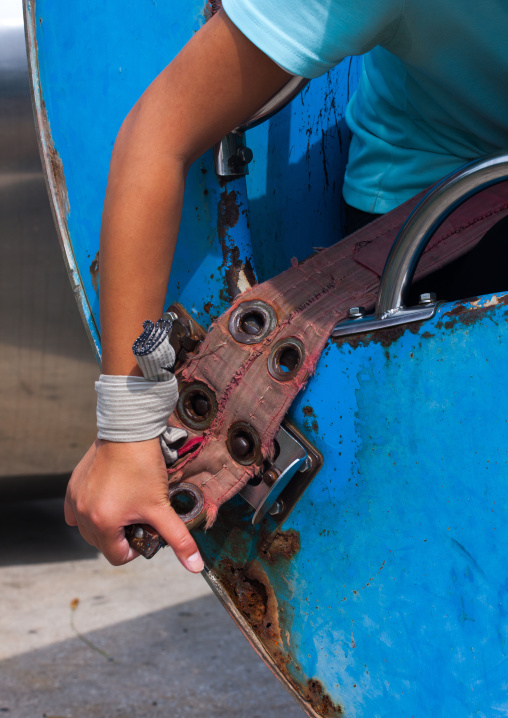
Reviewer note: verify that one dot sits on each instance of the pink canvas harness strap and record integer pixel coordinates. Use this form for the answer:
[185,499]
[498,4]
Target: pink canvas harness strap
[237,388]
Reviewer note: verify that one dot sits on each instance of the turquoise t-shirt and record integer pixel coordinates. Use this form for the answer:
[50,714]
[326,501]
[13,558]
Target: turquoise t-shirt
[433,93]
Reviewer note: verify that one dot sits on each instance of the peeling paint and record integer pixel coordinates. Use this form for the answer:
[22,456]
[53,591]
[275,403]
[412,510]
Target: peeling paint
[238,273]
[472,312]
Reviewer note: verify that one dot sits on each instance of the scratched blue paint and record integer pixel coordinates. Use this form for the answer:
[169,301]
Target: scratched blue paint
[396,599]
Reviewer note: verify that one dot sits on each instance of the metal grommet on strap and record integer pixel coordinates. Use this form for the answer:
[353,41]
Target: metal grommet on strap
[187,500]
[286,358]
[197,406]
[243,443]
[252,321]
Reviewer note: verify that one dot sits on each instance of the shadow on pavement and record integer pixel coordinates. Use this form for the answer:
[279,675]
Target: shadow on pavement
[185,661]
[36,532]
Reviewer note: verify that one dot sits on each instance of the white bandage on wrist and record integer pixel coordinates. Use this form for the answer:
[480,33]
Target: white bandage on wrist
[131,408]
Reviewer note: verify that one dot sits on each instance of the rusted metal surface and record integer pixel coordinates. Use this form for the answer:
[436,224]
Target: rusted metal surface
[472,312]
[237,269]
[251,591]
[280,545]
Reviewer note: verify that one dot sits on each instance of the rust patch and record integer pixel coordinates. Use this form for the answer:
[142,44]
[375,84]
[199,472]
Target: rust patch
[281,545]
[94,272]
[320,701]
[207,307]
[308,411]
[52,162]
[228,213]
[238,273]
[385,337]
[250,590]
[461,314]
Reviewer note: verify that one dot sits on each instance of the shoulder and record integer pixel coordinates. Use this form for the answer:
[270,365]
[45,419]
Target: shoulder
[309,37]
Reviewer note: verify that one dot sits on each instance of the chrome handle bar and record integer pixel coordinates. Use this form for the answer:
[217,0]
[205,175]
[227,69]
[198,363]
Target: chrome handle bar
[425,219]
[413,237]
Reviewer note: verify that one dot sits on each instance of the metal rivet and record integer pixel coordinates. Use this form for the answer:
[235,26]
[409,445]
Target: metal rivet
[356,312]
[139,533]
[241,445]
[427,298]
[171,316]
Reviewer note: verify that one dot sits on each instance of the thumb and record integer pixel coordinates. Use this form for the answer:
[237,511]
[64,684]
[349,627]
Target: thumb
[176,534]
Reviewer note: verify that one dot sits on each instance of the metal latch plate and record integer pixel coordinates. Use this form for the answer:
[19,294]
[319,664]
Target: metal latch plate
[276,489]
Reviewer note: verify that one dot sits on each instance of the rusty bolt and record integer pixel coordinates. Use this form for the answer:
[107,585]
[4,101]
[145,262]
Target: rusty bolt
[356,312]
[270,477]
[427,298]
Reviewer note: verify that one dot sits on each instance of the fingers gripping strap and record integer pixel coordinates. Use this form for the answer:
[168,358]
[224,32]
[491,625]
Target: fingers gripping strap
[133,408]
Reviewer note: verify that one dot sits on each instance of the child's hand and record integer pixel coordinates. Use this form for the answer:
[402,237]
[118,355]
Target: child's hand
[117,484]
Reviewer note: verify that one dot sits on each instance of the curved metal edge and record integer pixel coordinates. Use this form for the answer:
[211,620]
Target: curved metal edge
[254,640]
[424,220]
[57,194]
[276,103]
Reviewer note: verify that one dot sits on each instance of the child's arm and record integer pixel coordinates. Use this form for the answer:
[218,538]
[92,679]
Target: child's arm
[217,81]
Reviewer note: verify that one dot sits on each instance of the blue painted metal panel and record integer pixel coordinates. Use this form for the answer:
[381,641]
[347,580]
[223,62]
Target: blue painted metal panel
[394,593]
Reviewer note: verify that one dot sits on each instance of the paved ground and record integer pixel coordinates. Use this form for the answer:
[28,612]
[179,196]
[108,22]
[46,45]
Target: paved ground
[81,639]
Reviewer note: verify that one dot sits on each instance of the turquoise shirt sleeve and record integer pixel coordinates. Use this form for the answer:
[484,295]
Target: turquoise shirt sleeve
[308,38]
